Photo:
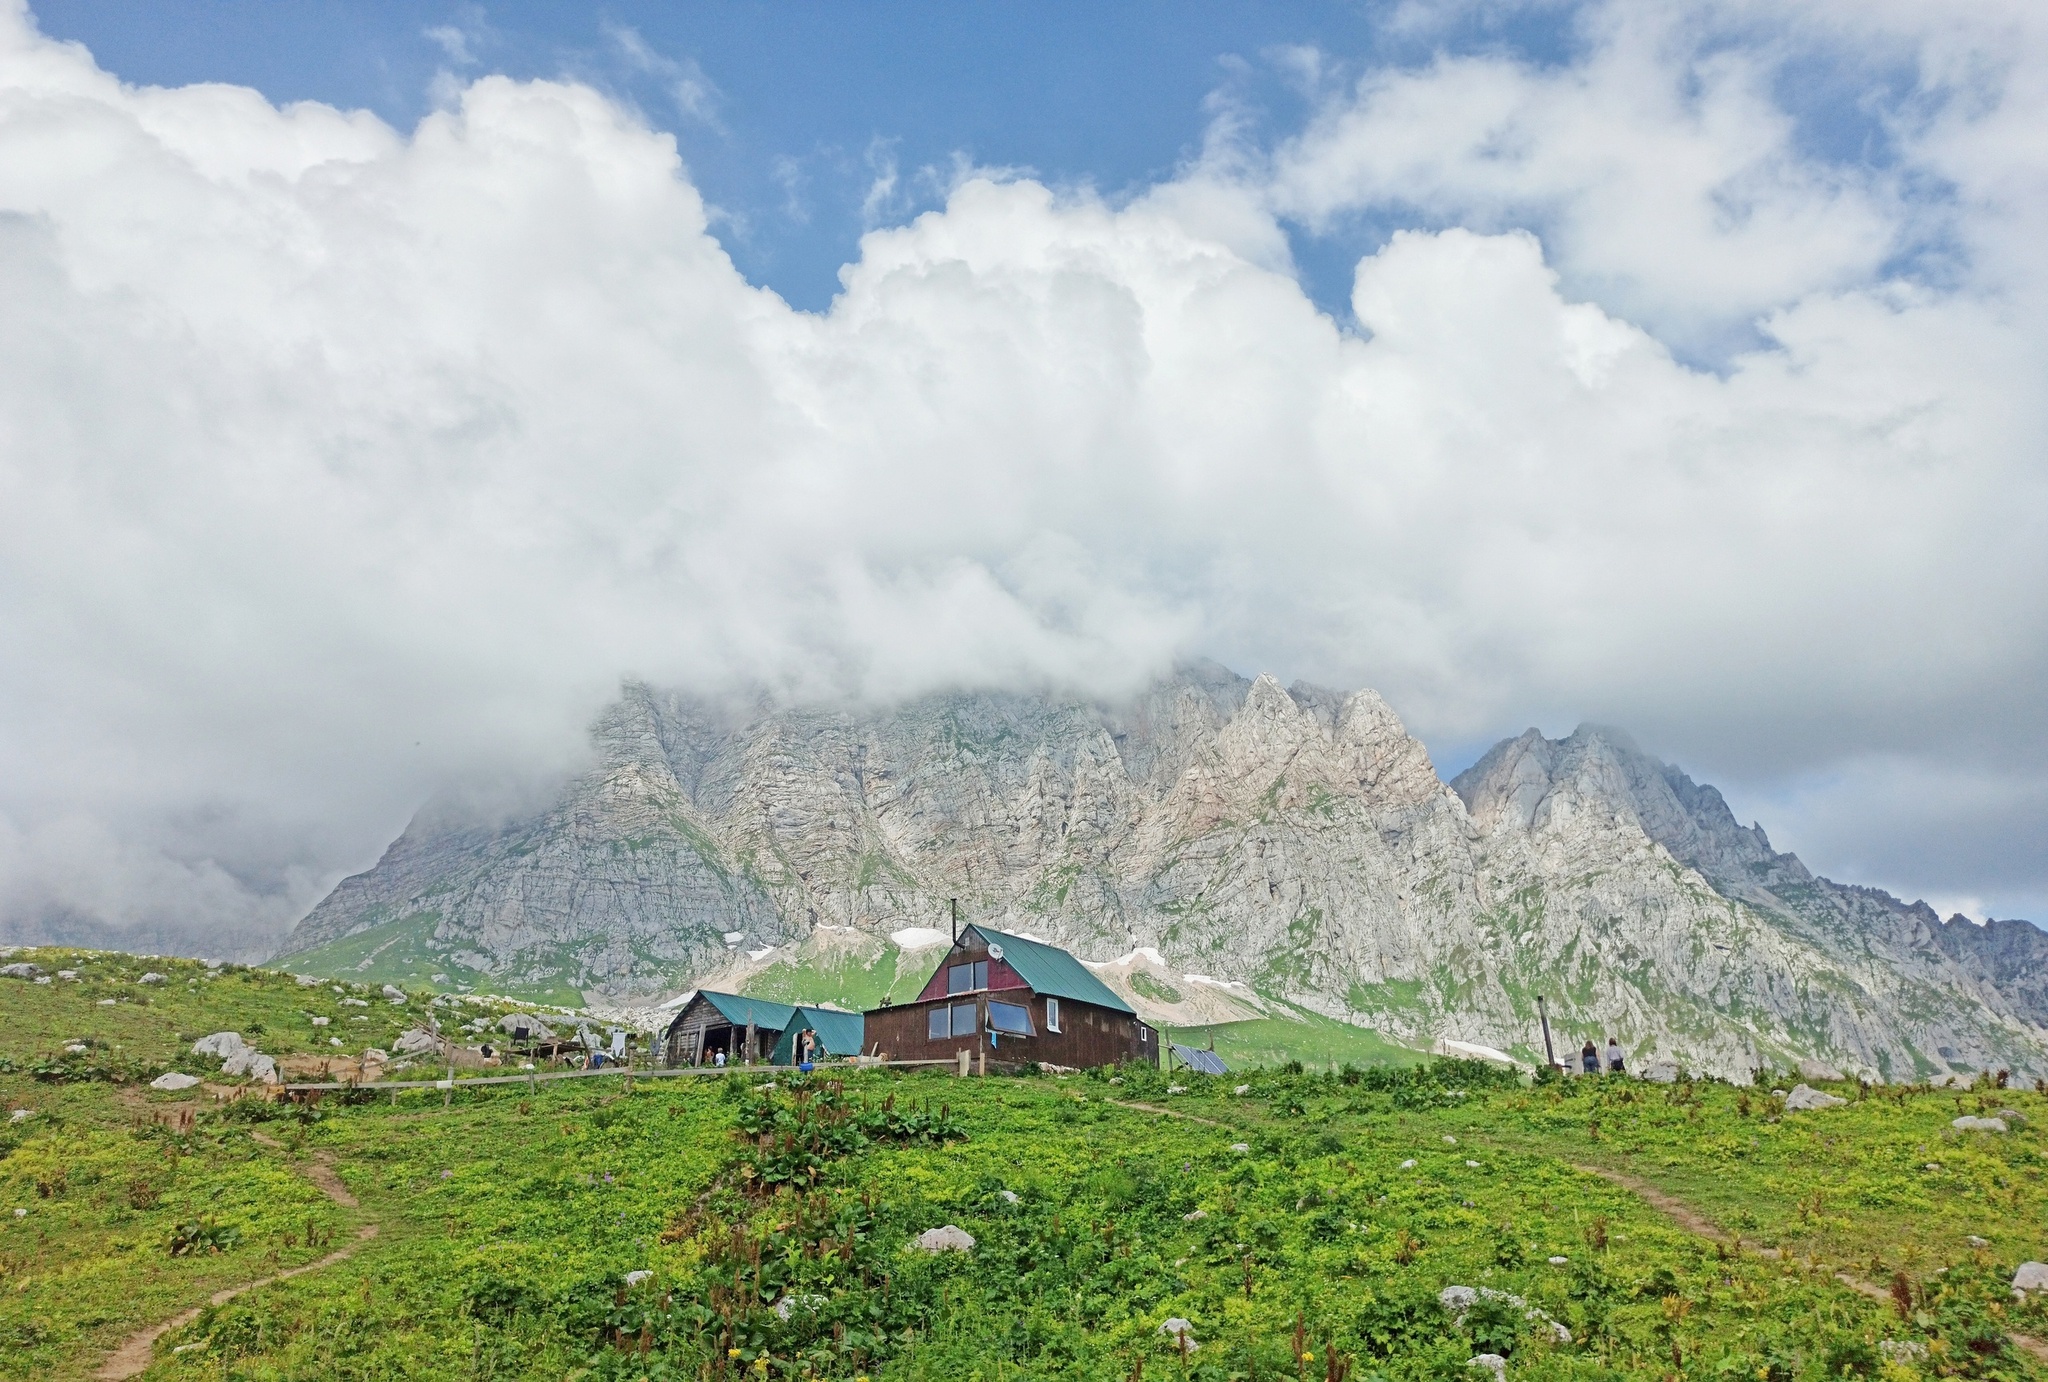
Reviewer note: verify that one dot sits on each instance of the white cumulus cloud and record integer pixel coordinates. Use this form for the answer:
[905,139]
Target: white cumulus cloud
[339,464]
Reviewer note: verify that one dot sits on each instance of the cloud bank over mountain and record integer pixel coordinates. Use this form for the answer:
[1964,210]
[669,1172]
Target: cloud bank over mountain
[340,464]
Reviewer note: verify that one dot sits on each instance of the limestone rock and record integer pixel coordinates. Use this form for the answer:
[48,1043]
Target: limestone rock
[416,1042]
[1293,841]
[2031,1276]
[20,970]
[220,1045]
[1492,1362]
[1971,1124]
[172,1081]
[1805,1097]
[153,978]
[251,1064]
[1812,1069]
[950,1238]
[535,1028]
[1661,1072]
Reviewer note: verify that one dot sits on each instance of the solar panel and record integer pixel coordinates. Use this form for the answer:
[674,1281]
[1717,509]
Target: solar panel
[1203,1062]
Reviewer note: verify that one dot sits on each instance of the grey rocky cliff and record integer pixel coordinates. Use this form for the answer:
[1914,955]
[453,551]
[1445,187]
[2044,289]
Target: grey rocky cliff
[1297,840]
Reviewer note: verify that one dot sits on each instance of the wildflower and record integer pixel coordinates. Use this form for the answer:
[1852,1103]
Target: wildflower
[446,1174]
[1308,1358]
[732,1353]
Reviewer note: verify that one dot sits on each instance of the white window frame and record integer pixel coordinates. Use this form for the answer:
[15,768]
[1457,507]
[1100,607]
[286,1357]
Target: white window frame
[1052,1014]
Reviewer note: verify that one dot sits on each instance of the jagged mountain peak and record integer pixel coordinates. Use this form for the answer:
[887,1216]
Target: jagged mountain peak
[1295,842]
[1524,782]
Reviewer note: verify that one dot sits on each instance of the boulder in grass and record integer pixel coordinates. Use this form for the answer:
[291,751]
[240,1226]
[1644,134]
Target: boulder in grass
[536,1030]
[1492,1362]
[153,978]
[951,1238]
[221,1045]
[2032,1276]
[416,1042]
[1804,1097]
[252,1064]
[171,1081]
[394,993]
[1970,1124]
[20,971]
[1811,1069]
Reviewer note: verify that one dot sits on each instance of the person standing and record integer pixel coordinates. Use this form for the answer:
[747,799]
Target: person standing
[1589,1058]
[1614,1061]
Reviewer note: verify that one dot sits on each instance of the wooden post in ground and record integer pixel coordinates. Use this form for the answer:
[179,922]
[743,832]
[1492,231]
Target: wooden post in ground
[981,1061]
[965,1056]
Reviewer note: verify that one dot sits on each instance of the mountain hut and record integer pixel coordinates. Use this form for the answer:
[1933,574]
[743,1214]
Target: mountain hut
[713,1022]
[1012,1000]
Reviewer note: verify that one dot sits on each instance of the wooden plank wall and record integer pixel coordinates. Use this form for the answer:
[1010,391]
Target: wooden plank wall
[1088,1036]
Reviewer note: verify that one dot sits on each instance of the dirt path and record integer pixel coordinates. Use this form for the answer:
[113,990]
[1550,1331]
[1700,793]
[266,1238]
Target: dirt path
[1692,1221]
[1170,1113]
[139,1351]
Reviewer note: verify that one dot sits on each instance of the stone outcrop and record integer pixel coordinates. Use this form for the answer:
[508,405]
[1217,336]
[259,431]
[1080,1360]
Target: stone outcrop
[1295,842]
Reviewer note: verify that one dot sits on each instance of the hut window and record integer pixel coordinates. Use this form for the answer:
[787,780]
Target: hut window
[963,1019]
[1012,1019]
[939,1025]
[1052,1014]
[967,978]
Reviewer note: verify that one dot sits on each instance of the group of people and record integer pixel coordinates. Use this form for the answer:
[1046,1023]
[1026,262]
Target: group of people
[1589,1057]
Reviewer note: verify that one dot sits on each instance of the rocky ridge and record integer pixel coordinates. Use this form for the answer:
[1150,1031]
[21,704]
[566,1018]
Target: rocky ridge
[1295,841]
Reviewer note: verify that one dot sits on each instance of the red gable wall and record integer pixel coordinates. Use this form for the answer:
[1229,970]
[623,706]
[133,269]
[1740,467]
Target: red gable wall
[1000,975]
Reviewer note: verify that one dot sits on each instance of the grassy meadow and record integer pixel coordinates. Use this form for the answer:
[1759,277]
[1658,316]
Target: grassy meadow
[1304,1228]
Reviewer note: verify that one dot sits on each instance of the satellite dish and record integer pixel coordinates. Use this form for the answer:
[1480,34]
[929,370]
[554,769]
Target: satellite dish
[995,950]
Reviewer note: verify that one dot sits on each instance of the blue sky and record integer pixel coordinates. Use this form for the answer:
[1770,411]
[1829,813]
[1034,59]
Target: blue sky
[792,113]
[1692,387]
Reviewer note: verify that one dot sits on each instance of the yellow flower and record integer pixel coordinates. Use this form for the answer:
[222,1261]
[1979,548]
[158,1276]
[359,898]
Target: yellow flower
[1308,1358]
[732,1353]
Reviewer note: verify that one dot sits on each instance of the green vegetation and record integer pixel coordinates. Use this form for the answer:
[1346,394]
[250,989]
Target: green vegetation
[403,952]
[1155,988]
[132,1031]
[1315,1214]
[1316,1041]
[853,980]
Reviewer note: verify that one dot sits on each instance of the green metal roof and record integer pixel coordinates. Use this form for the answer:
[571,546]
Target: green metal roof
[840,1034]
[1052,972]
[766,1016]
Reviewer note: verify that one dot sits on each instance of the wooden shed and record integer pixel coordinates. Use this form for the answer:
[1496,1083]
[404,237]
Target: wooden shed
[713,1022]
[1013,1001]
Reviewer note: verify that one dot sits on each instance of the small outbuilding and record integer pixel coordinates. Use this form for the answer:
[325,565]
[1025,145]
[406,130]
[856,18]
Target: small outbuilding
[1011,1001]
[815,1034]
[746,1029]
